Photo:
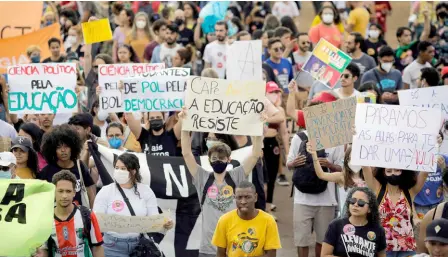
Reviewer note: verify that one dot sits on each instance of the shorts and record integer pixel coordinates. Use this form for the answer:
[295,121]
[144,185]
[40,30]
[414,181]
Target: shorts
[308,219]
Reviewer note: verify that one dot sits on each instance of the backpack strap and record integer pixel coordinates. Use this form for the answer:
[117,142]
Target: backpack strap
[439,211]
[381,194]
[302,136]
[407,195]
[229,181]
[127,132]
[208,184]
[87,222]
[378,79]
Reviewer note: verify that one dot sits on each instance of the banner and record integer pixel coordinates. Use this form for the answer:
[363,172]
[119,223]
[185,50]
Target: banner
[213,12]
[399,137]
[132,224]
[330,124]
[26,215]
[173,186]
[19,18]
[224,106]
[13,50]
[326,63]
[42,88]
[162,92]
[243,60]
[110,74]
[96,31]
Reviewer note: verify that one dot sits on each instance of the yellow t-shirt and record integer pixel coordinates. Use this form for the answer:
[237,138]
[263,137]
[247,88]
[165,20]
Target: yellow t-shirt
[317,21]
[246,237]
[359,18]
[132,144]
[24,173]
[138,45]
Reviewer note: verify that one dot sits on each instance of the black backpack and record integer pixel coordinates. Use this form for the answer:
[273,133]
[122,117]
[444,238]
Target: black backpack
[304,177]
[211,178]
[87,223]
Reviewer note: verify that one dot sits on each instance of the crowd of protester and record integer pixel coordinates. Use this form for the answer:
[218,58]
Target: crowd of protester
[352,210]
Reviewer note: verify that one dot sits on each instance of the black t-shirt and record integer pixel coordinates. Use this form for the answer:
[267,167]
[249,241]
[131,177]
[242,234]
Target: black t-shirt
[372,49]
[365,241]
[48,172]
[186,37]
[48,60]
[163,145]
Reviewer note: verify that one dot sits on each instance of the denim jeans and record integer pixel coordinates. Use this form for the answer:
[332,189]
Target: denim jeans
[119,247]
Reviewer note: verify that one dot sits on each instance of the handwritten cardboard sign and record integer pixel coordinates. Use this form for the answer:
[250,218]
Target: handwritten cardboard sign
[42,88]
[110,74]
[330,124]
[243,60]
[399,137]
[162,92]
[223,106]
[131,224]
[96,31]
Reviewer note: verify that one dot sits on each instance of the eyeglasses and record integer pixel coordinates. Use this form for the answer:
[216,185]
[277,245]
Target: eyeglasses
[346,76]
[361,203]
[278,49]
[4,168]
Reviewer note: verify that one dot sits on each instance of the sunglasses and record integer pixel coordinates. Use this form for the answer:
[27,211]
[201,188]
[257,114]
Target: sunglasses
[346,76]
[361,203]
[4,168]
[279,49]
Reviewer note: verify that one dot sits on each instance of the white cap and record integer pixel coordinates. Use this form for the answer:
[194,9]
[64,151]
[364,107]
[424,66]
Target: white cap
[6,158]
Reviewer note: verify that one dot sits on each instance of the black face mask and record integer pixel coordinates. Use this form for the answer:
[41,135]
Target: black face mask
[156,125]
[219,166]
[178,22]
[394,180]
[442,15]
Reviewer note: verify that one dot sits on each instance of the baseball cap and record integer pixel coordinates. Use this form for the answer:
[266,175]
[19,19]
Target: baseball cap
[437,231]
[7,158]
[23,143]
[272,87]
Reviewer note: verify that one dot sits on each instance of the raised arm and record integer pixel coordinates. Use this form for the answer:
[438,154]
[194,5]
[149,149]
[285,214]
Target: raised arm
[177,129]
[291,103]
[426,26]
[197,34]
[250,162]
[185,142]
[335,177]
[134,125]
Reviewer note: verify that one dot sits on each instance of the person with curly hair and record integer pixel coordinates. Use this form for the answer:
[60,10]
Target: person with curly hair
[359,232]
[110,200]
[61,148]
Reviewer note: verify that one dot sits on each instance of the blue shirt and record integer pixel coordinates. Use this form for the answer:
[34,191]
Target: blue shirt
[283,72]
[389,82]
[432,191]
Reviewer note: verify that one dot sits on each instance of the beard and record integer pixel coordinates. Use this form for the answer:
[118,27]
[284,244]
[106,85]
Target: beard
[304,49]
[221,38]
[170,43]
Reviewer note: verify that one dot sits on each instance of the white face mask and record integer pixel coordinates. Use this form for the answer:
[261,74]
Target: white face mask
[211,143]
[355,168]
[386,66]
[121,176]
[374,34]
[140,24]
[327,18]
[102,115]
[72,39]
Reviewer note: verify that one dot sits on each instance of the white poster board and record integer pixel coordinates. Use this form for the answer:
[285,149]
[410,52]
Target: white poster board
[244,60]
[399,137]
[132,224]
[42,88]
[110,74]
[223,106]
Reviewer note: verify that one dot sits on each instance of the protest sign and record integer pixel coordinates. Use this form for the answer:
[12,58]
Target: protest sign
[399,137]
[96,31]
[26,215]
[156,91]
[223,106]
[132,224]
[213,12]
[42,88]
[243,60]
[330,124]
[366,98]
[110,74]
[326,63]
[19,18]
[13,50]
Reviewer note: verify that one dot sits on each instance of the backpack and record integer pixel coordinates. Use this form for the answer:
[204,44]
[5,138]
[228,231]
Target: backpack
[87,224]
[304,177]
[407,195]
[209,183]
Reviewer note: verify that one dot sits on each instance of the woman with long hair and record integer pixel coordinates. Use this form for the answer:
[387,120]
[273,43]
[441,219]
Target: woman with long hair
[337,18]
[35,134]
[110,200]
[125,21]
[140,35]
[271,23]
[26,158]
[126,54]
[327,28]
[76,42]
[191,14]
[359,232]
[289,23]
[182,58]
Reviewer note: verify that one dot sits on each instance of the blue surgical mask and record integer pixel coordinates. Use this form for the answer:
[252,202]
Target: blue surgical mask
[35,59]
[5,174]
[115,142]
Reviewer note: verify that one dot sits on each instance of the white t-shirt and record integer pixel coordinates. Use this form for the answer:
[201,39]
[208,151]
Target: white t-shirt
[110,201]
[215,53]
[283,8]
[328,197]
[412,73]
[338,92]
[167,54]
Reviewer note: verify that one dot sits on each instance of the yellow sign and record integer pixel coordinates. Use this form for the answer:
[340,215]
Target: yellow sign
[96,31]
[26,215]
